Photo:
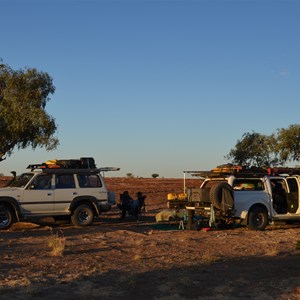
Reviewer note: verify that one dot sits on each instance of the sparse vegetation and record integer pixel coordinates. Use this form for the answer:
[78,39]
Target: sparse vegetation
[122,260]
[155,175]
[57,244]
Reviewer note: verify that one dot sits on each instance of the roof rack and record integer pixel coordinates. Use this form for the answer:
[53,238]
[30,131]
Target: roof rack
[84,164]
[240,171]
[283,170]
[109,169]
[206,174]
[78,171]
[70,171]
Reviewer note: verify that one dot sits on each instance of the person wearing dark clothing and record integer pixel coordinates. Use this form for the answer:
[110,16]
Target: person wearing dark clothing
[135,208]
[132,206]
[279,198]
[125,205]
[141,199]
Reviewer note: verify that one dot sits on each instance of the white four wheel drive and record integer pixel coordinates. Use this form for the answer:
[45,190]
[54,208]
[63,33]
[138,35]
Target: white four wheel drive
[77,195]
[251,200]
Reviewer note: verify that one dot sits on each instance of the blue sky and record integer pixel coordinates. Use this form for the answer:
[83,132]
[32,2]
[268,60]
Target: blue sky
[157,86]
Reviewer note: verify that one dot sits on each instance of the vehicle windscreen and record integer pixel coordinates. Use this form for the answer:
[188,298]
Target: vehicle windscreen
[22,180]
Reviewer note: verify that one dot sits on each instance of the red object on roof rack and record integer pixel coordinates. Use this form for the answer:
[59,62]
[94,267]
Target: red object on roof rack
[241,171]
[283,170]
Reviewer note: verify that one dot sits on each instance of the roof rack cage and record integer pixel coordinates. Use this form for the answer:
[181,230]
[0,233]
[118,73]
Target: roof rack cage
[84,163]
[36,166]
[79,171]
[239,171]
[70,171]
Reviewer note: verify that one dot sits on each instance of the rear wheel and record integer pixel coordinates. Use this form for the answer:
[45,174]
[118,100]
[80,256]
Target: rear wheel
[257,219]
[83,215]
[6,217]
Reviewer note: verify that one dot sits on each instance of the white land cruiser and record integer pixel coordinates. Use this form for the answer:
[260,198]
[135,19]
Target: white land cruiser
[75,194]
[253,201]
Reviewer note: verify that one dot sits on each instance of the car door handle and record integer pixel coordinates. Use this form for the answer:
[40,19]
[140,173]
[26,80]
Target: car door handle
[74,193]
[49,194]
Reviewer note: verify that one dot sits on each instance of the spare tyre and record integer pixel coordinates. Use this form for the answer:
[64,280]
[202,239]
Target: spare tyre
[220,200]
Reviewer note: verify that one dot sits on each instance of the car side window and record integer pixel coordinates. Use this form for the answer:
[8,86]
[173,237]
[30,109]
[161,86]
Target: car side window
[65,181]
[89,181]
[42,182]
[248,185]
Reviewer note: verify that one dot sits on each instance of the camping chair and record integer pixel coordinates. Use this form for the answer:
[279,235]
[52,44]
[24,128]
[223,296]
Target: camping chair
[142,204]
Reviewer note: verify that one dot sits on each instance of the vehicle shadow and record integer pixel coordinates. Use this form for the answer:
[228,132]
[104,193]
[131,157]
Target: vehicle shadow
[242,278]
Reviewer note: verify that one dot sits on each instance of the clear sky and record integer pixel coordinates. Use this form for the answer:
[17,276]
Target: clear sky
[157,86]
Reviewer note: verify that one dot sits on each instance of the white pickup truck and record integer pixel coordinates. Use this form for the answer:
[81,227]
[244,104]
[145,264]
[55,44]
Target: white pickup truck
[254,201]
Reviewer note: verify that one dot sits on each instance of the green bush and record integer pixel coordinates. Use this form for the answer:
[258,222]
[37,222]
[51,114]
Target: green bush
[155,175]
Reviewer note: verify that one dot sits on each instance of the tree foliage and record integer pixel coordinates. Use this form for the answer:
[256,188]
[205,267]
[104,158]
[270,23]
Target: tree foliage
[155,175]
[23,119]
[259,150]
[288,143]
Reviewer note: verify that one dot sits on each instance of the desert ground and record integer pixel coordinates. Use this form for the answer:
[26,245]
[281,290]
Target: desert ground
[125,259]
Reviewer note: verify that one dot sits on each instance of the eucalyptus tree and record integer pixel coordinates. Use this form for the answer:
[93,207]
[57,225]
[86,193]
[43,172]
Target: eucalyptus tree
[24,121]
[288,143]
[254,149]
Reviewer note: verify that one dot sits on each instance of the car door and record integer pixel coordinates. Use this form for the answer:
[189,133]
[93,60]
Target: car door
[38,196]
[64,193]
[293,195]
[248,192]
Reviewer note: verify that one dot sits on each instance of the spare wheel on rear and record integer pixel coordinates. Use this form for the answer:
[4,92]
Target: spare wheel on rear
[221,196]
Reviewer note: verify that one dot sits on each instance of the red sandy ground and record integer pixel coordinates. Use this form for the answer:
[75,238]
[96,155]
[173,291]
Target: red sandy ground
[114,259]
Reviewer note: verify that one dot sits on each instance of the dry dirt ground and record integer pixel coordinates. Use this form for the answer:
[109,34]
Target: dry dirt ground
[114,259]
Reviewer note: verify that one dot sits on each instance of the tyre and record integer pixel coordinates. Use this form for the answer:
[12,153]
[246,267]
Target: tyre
[258,218]
[83,215]
[216,196]
[6,217]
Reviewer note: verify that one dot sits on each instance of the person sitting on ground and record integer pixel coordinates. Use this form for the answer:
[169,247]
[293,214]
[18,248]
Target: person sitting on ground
[125,205]
[141,199]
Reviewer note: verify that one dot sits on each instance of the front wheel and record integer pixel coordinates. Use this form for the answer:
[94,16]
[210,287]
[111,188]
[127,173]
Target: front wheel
[258,218]
[6,217]
[83,215]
